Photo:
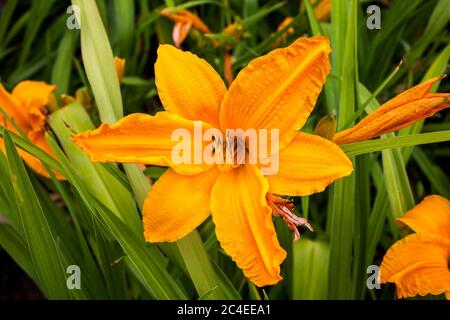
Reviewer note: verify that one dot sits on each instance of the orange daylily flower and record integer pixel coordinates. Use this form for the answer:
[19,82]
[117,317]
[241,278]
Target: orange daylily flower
[419,263]
[184,21]
[405,109]
[275,91]
[26,105]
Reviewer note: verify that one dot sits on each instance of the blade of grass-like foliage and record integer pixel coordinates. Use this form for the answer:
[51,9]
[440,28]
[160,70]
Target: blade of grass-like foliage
[311,261]
[147,263]
[357,148]
[123,27]
[45,254]
[7,13]
[195,3]
[362,213]
[341,207]
[16,247]
[18,25]
[192,253]
[397,182]
[105,187]
[99,63]
[437,177]
[39,10]
[155,279]
[8,204]
[437,68]
[313,22]
[263,12]
[61,72]
[330,86]
[437,22]
[35,151]
[378,215]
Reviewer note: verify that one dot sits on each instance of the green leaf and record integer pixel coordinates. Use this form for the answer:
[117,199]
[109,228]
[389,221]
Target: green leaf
[310,262]
[358,148]
[98,62]
[45,253]
[61,72]
[341,207]
[97,180]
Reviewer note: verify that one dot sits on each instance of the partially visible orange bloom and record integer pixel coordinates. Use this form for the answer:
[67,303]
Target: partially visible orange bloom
[289,31]
[119,64]
[405,109]
[184,21]
[419,263]
[275,91]
[26,105]
[322,10]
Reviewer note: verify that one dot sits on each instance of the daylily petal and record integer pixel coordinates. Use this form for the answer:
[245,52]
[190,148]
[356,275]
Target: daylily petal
[431,216]
[177,204]
[38,91]
[180,31]
[418,265]
[141,138]
[244,225]
[12,106]
[188,86]
[278,90]
[405,109]
[308,165]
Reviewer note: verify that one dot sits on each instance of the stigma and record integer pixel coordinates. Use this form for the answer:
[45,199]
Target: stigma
[283,208]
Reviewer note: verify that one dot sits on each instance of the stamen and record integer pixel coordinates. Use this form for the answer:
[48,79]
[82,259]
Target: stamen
[283,208]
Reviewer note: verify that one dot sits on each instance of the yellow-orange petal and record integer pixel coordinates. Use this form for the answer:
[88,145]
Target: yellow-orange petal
[37,91]
[401,111]
[278,90]
[417,92]
[308,165]
[431,216]
[119,65]
[244,224]
[418,265]
[177,204]
[188,86]
[141,138]
[13,108]
[180,31]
